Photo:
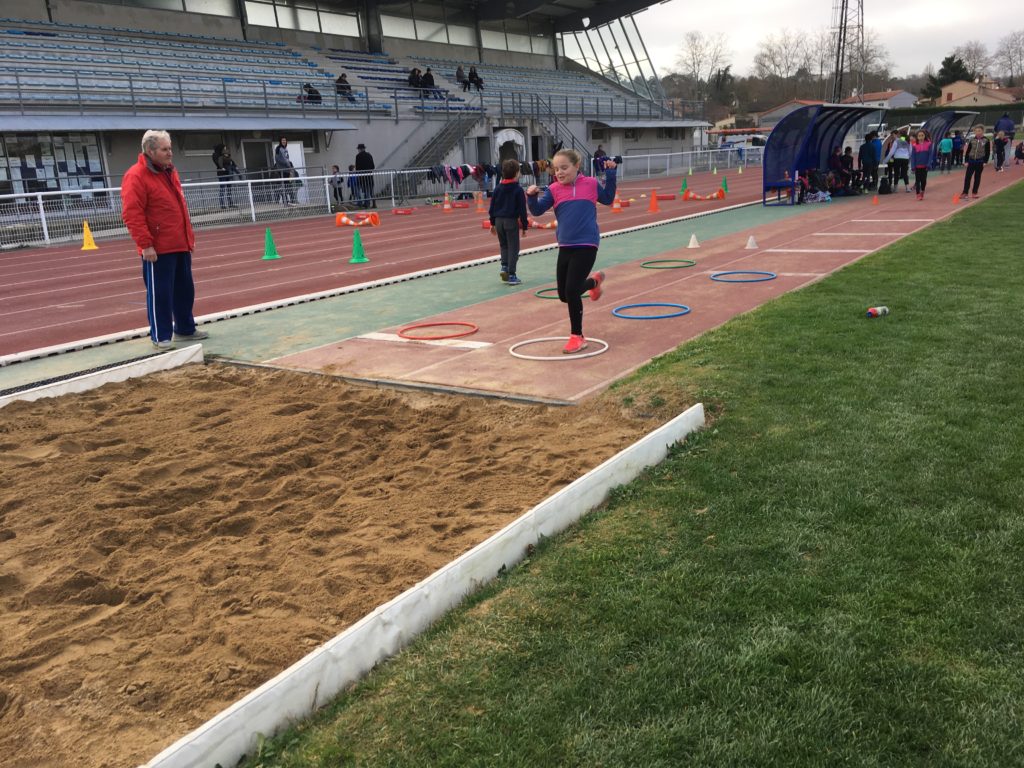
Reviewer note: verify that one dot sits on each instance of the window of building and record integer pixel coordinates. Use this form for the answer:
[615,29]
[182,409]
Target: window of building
[396,26]
[260,14]
[541,44]
[494,39]
[212,7]
[631,134]
[519,43]
[44,162]
[458,35]
[339,24]
[431,31]
[197,143]
[598,134]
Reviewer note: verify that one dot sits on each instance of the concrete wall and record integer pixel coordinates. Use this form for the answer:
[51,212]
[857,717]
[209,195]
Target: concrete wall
[103,14]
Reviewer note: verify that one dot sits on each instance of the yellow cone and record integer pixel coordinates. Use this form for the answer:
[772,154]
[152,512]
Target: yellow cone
[88,244]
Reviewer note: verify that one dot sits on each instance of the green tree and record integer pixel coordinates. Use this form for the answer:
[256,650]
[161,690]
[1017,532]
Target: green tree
[951,70]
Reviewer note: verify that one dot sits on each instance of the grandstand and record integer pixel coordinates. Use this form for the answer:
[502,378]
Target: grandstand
[80,80]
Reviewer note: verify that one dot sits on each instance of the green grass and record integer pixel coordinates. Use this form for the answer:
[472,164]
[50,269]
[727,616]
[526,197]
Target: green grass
[831,574]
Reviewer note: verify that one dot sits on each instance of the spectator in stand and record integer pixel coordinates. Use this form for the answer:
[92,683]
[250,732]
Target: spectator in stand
[835,165]
[946,154]
[343,88]
[154,211]
[310,95]
[867,161]
[999,145]
[976,154]
[958,148]
[460,78]
[427,81]
[364,162]
[285,170]
[415,80]
[474,78]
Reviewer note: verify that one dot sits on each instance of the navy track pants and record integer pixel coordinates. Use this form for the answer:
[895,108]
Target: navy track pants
[170,294]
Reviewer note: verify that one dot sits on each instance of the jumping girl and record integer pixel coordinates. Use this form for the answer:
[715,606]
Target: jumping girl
[574,198]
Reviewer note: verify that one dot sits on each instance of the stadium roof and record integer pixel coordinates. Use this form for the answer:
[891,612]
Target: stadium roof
[565,15]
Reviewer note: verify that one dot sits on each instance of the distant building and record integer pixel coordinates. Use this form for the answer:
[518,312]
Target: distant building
[770,117]
[884,99]
[964,93]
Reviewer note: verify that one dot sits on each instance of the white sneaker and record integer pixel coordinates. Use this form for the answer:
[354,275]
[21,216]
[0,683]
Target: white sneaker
[163,344]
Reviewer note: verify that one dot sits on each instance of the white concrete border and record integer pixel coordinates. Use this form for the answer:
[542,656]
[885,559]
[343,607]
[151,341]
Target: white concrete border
[314,680]
[133,370]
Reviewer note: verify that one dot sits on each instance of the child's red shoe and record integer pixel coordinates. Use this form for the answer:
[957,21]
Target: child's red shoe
[595,292]
[575,344]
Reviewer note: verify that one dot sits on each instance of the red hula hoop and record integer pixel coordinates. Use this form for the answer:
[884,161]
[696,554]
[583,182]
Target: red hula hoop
[404,332]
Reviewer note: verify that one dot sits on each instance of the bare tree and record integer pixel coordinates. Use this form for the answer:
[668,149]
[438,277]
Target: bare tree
[701,56]
[781,55]
[1009,56]
[974,55]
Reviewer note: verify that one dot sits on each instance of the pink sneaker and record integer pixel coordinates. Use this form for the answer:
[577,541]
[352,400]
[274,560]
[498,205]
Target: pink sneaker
[595,292]
[575,344]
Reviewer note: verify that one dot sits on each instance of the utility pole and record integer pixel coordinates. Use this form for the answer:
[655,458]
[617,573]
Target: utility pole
[847,48]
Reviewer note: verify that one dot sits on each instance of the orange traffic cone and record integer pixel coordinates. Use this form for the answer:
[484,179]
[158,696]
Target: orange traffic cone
[874,200]
[372,218]
[342,220]
[653,207]
[617,204]
[447,204]
[956,198]
[480,207]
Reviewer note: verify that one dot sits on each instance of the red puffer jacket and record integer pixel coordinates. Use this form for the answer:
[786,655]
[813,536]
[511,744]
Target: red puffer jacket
[154,210]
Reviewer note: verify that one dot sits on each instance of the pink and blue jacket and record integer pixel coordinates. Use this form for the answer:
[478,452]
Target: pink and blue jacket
[576,207]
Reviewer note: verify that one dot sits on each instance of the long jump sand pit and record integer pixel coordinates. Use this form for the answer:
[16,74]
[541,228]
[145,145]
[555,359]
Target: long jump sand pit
[170,543]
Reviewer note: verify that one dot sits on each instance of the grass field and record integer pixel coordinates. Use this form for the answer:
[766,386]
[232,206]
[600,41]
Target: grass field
[830,574]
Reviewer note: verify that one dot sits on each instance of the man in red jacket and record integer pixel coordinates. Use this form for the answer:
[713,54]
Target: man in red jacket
[154,210]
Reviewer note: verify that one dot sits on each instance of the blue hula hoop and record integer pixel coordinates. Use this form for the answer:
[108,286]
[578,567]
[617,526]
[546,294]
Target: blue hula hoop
[717,276]
[683,310]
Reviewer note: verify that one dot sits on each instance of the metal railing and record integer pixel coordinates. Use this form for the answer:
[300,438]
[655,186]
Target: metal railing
[28,93]
[43,218]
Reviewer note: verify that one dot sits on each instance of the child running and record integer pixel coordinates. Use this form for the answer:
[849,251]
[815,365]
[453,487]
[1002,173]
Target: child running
[921,158]
[574,198]
[508,216]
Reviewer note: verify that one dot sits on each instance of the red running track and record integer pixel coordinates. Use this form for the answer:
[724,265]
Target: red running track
[59,295]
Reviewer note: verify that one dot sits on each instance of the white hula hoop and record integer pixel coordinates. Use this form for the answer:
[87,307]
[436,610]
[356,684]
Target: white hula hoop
[521,356]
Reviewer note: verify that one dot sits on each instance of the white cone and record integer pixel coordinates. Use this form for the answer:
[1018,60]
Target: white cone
[693,241]
[751,243]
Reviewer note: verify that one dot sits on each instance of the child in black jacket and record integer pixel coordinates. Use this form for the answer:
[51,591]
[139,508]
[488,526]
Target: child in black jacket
[508,216]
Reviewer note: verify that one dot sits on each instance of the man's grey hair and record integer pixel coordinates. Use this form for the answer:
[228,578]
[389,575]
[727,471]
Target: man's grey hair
[150,139]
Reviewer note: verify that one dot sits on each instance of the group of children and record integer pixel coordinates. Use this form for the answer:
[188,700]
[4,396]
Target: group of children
[574,198]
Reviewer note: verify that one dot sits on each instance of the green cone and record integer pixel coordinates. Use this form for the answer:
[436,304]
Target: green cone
[269,249]
[358,255]
[682,189]
[725,184]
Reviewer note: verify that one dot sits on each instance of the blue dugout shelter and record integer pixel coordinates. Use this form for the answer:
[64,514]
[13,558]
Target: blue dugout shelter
[802,140]
[937,126]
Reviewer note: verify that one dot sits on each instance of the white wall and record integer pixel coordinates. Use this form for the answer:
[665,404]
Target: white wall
[103,14]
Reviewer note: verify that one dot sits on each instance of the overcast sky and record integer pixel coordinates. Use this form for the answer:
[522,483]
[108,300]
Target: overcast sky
[921,32]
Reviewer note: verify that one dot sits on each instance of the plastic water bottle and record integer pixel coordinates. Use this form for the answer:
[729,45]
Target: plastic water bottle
[878,311]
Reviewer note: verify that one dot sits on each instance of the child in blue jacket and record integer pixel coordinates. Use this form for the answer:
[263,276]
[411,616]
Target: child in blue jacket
[508,217]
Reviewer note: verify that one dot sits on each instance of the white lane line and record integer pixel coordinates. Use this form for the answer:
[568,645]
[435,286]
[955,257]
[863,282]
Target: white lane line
[856,234]
[817,250]
[872,221]
[457,343]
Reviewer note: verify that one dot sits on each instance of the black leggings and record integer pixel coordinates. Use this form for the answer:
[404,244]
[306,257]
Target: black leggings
[973,169]
[900,168]
[572,271]
[920,179]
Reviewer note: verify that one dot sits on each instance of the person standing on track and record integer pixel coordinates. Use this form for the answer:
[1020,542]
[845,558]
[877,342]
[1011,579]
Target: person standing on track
[508,216]
[154,211]
[364,163]
[977,151]
[921,158]
[575,198]
[899,154]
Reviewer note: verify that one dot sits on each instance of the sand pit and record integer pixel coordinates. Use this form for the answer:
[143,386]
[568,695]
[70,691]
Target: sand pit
[169,543]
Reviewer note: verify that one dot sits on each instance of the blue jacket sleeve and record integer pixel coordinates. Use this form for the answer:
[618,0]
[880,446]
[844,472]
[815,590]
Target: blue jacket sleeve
[540,204]
[490,209]
[606,194]
[521,209]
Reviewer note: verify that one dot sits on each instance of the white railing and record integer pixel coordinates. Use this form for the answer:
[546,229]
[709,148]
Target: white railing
[43,218]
